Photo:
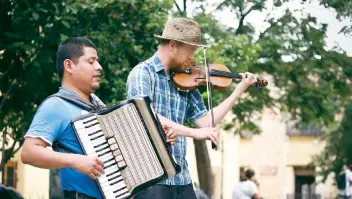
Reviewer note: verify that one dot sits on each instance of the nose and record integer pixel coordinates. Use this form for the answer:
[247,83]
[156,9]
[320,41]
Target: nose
[99,67]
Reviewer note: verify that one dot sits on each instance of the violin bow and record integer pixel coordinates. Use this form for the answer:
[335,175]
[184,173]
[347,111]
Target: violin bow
[209,90]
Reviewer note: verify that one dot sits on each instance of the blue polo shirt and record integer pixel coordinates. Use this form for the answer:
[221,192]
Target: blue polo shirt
[52,122]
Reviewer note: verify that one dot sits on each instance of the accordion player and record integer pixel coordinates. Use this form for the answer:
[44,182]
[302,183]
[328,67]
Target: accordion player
[129,139]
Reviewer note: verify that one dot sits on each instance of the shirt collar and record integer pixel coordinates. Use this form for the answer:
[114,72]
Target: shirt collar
[67,91]
[158,66]
[70,92]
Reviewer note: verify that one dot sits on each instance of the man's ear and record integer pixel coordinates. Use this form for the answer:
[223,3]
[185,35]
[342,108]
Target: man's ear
[68,65]
[172,45]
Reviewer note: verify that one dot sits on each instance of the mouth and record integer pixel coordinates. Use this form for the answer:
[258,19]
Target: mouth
[97,76]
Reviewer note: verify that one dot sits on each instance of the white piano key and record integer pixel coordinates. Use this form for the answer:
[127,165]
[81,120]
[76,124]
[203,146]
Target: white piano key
[111,170]
[123,196]
[107,192]
[90,151]
[101,146]
[111,162]
[100,153]
[114,175]
[80,124]
[97,142]
[87,131]
[87,137]
[120,192]
[94,142]
[122,186]
[114,182]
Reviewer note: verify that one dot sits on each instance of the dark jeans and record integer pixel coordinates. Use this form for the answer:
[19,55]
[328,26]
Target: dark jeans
[75,195]
[167,191]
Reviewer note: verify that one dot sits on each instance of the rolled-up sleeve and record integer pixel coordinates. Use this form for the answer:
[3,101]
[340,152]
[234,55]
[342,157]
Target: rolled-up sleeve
[196,108]
[139,83]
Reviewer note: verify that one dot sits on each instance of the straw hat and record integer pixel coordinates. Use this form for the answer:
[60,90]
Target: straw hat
[182,30]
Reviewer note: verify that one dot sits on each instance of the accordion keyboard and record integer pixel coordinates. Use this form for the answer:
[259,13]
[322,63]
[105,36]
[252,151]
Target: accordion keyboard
[95,144]
[120,139]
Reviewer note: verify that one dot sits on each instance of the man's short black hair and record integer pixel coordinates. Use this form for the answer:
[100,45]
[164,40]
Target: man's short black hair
[249,173]
[71,49]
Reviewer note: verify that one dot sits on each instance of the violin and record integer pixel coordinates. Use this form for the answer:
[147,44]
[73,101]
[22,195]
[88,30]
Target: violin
[220,78]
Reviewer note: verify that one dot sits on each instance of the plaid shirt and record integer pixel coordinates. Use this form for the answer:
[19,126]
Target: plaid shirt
[150,79]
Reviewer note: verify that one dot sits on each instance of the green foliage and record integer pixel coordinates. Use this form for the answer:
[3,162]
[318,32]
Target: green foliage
[313,83]
[30,32]
[343,10]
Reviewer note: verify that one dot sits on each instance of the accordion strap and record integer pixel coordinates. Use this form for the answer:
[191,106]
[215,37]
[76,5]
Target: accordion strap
[95,106]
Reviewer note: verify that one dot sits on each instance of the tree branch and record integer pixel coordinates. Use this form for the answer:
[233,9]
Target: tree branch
[7,154]
[184,8]
[5,73]
[261,35]
[243,16]
[7,94]
[178,7]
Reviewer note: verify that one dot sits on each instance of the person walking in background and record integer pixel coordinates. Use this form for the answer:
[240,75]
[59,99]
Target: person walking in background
[344,183]
[246,188]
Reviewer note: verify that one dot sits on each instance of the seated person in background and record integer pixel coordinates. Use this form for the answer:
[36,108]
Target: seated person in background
[246,188]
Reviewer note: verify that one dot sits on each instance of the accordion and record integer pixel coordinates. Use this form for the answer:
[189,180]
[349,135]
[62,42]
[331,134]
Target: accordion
[129,138]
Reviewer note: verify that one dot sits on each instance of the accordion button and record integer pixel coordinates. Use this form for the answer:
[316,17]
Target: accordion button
[114,147]
[118,158]
[117,152]
[111,140]
[121,164]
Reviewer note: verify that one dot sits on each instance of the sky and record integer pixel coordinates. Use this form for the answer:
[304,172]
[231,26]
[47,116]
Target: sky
[313,8]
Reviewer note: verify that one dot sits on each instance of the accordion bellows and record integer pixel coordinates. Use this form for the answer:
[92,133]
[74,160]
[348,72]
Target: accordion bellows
[129,138]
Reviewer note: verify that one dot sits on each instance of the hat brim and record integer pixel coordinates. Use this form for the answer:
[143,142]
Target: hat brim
[192,44]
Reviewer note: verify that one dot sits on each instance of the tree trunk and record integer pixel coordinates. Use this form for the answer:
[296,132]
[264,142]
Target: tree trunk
[2,162]
[205,173]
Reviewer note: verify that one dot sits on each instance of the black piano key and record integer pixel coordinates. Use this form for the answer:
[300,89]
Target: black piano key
[112,173]
[108,160]
[85,122]
[114,177]
[87,127]
[96,137]
[116,182]
[109,165]
[96,146]
[97,151]
[104,153]
[90,134]
[121,194]
[120,189]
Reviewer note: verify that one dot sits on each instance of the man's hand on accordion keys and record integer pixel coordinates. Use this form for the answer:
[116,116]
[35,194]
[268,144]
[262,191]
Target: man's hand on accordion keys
[89,165]
[170,134]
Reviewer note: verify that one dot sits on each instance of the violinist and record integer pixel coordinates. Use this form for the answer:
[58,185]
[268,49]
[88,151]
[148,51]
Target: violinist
[178,43]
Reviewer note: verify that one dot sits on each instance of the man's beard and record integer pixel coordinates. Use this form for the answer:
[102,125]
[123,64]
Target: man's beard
[177,66]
